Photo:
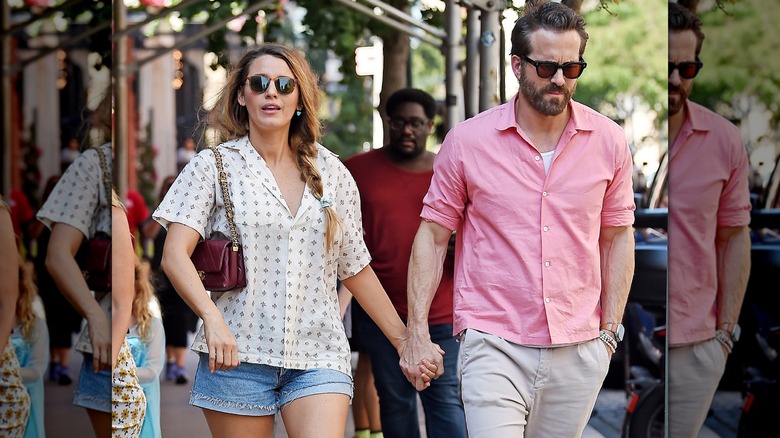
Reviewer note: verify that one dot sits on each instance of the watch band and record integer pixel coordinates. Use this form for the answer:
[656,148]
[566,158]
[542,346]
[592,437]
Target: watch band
[608,338]
[615,328]
[724,338]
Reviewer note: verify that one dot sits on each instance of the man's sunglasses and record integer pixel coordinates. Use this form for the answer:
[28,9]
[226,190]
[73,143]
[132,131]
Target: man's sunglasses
[687,70]
[259,83]
[548,69]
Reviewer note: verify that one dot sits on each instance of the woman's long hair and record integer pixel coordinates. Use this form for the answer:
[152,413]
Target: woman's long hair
[28,292]
[231,120]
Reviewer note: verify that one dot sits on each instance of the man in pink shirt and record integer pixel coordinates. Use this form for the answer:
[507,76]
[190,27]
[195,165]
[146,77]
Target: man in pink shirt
[709,238]
[540,192]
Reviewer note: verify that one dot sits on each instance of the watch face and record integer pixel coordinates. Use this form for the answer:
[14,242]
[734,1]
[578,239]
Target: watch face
[619,333]
[735,333]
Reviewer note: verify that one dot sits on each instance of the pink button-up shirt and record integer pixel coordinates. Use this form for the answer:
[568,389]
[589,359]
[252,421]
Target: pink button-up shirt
[527,254]
[708,188]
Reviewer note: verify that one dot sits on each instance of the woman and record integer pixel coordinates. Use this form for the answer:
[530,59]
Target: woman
[278,344]
[14,400]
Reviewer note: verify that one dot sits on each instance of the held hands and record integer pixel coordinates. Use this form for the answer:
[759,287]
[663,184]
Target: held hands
[421,361]
[223,350]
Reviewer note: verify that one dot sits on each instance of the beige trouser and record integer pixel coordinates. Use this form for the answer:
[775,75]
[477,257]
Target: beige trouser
[510,390]
[694,373]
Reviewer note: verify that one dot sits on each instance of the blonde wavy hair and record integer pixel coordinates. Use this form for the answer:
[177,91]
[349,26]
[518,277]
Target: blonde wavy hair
[28,293]
[144,296]
[231,120]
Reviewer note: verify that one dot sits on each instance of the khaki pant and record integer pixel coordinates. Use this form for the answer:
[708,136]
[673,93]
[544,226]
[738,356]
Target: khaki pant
[510,390]
[694,373]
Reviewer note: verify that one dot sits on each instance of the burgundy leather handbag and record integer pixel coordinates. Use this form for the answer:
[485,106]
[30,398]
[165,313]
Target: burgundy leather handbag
[94,255]
[220,262]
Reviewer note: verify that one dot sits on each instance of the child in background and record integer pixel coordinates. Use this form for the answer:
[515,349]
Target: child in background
[30,338]
[147,344]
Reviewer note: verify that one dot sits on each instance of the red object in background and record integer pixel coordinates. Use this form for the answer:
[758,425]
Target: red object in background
[137,211]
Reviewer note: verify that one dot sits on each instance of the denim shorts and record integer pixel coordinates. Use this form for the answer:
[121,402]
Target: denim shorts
[94,389]
[259,390]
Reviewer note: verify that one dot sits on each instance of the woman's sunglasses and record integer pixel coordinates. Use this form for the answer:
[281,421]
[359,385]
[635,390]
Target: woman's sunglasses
[547,69]
[259,83]
[687,70]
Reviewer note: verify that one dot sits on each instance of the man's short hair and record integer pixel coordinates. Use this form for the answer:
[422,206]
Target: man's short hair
[682,19]
[545,15]
[413,95]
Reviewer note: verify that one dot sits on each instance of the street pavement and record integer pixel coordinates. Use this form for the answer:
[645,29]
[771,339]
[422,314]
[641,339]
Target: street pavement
[180,420]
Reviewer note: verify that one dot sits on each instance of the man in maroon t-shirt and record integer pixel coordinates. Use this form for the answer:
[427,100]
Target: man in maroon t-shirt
[392,182]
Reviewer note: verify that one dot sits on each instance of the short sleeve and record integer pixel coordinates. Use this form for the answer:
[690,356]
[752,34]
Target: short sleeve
[353,254]
[447,195]
[619,204]
[191,198]
[76,196]
[734,207]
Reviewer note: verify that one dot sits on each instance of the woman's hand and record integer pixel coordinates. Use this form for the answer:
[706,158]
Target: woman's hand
[223,350]
[100,336]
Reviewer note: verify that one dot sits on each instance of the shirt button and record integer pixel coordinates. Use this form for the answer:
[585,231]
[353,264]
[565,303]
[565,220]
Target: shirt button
[547,264]
[544,194]
[546,300]
[546,228]
[537,158]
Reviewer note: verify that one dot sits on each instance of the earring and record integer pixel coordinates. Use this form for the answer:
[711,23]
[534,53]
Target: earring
[298,113]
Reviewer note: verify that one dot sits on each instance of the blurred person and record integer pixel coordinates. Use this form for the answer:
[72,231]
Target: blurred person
[128,401]
[177,318]
[14,399]
[79,208]
[392,182]
[69,153]
[540,192]
[709,237]
[278,344]
[30,339]
[62,319]
[185,153]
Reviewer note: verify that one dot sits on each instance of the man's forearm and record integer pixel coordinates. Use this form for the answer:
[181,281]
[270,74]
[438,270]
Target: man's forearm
[732,246]
[617,271]
[425,272]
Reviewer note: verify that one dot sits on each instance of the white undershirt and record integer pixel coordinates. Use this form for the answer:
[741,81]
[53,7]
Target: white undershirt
[547,157]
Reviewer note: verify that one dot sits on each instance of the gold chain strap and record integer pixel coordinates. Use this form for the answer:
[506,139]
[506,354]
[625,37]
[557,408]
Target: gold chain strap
[222,177]
[104,171]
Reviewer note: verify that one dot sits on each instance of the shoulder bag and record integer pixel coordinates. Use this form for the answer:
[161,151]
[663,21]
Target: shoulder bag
[220,262]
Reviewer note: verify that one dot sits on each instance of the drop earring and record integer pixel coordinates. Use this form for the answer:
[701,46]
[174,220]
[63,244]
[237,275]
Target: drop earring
[298,113]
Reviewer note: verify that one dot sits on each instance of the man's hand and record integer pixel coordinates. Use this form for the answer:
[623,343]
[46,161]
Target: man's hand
[421,361]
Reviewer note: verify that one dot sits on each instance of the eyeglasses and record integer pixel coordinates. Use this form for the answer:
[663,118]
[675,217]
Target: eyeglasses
[687,70]
[548,69]
[399,124]
[259,83]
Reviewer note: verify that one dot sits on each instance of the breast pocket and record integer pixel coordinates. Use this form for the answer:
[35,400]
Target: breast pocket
[254,206]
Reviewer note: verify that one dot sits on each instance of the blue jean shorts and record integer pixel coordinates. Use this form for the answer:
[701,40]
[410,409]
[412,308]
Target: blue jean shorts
[259,390]
[94,389]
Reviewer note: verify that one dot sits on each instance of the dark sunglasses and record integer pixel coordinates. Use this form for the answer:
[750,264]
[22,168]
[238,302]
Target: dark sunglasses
[259,83]
[547,69]
[687,70]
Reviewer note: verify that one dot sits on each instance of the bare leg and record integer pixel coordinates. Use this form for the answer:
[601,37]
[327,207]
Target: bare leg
[101,423]
[223,425]
[365,404]
[320,415]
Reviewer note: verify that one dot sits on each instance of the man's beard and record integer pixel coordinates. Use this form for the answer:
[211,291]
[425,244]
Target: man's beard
[682,96]
[540,102]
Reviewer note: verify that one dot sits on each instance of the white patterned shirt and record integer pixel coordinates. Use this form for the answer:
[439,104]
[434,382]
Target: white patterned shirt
[288,314]
[79,200]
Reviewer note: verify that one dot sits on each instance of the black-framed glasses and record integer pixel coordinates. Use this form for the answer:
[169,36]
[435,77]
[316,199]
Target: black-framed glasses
[687,70]
[399,124]
[260,83]
[547,69]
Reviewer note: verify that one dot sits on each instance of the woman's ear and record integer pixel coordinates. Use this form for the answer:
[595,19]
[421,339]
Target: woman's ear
[241,100]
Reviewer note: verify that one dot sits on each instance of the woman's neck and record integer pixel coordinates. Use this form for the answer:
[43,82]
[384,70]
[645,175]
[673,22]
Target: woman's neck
[274,148]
